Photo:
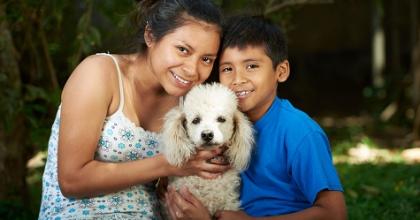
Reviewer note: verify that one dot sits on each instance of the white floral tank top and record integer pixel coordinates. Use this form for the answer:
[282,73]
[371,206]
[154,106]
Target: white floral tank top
[120,140]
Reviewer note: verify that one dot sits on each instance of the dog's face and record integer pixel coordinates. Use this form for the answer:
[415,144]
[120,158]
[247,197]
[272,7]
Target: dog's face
[209,115]
[207,127]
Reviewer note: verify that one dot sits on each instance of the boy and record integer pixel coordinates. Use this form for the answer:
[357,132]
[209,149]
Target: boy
[291,175]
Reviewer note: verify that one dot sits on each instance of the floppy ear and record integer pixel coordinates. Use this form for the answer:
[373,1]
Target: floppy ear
[176,146]
[240,149]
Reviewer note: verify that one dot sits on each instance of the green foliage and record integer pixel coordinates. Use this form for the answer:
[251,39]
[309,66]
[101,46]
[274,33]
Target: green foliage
[387,191]
[15,210]
[50,38]
[10,103]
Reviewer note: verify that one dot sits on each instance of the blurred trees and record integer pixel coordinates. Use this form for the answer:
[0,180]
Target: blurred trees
[12,141]
[415,67]
[41,41]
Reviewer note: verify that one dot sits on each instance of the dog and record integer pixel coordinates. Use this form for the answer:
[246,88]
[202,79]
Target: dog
[208,118]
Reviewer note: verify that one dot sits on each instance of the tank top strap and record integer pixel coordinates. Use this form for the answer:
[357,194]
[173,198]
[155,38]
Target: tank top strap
[120,81]
[181,102]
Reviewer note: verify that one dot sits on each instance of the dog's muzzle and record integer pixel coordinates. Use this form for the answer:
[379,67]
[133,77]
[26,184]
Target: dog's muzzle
[207,136]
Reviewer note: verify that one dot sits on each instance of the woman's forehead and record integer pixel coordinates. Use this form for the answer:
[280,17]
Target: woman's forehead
[197,34]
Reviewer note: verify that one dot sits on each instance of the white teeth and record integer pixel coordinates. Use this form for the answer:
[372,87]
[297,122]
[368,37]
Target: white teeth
[180,79]
[242,93]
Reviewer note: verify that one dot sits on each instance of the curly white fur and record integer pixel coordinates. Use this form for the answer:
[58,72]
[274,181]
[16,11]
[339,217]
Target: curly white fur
[209,117]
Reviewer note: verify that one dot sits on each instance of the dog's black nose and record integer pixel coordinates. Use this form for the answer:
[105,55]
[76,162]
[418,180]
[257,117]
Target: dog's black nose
[207,136]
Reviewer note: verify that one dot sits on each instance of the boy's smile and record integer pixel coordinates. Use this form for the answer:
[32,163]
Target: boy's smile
[249,72]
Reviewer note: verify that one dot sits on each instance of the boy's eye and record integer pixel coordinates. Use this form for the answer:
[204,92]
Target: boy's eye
[252,66]
[226,69]
[208,60]
[182,49]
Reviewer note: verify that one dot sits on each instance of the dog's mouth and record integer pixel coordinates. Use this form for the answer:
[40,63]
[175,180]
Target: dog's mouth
[209,145]
[220,159]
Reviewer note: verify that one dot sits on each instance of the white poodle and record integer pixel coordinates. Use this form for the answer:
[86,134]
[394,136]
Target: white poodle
[208,118]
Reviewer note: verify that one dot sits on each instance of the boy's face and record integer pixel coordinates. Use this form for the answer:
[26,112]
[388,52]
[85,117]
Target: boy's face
[250,74]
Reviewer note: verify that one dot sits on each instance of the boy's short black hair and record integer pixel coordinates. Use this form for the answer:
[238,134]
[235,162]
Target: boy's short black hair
[242,31]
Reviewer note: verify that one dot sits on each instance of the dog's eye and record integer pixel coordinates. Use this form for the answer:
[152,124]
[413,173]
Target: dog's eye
[196,120]
[221,119]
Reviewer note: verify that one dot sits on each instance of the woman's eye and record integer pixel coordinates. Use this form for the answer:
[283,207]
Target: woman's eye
[208,60]
[182,49]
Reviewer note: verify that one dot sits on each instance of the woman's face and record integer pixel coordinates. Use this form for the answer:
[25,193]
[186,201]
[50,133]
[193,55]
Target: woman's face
[184,57]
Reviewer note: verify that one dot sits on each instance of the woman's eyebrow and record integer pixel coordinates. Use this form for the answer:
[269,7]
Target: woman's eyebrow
[187,45]
[192,49]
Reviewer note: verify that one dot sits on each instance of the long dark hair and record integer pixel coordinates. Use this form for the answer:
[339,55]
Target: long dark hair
[164,16]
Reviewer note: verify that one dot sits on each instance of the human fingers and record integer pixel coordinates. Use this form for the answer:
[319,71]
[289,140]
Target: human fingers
[169,204]
[170,209]
[174,210]
[211,171]
[213,168]
[188,196]
[181,203]
[197,210]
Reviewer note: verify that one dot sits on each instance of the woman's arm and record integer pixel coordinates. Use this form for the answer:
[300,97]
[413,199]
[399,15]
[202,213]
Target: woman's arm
[86,101]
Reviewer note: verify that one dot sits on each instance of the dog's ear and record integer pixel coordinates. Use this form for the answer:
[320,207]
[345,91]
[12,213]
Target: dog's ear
[176,146]
[240,149]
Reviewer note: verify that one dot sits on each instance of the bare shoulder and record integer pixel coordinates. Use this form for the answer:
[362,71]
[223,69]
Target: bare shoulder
[92,85]
[95,67]
[96,74]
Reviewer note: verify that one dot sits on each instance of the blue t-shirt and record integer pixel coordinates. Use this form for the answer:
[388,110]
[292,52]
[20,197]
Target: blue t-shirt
[290,165]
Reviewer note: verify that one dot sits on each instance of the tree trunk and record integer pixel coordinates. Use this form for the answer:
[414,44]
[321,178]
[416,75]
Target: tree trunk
[12,152]
[378,45]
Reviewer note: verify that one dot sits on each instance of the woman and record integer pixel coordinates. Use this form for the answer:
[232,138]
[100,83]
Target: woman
[103,152]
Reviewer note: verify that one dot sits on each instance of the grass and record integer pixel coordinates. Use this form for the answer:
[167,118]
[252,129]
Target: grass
[378,183]
[381,191]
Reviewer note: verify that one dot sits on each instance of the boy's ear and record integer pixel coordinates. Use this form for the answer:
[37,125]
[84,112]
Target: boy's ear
[148,36]
[282,71]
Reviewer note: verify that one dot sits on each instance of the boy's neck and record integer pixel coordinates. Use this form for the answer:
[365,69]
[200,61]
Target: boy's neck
[257,113]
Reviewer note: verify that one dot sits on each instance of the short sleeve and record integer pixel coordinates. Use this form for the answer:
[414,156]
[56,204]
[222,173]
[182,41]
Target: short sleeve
[312,168]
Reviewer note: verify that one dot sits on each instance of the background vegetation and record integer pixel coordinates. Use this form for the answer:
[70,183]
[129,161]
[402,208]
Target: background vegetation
[355,69]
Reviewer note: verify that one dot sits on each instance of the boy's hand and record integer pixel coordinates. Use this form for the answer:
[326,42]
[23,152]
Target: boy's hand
[226,215]
[184,205]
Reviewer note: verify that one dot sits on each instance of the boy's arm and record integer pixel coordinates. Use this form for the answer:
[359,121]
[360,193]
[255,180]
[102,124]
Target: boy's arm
[328,205]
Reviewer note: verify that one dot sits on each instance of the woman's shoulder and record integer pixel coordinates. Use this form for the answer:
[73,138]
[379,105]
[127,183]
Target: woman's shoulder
[98,68]
[96,74]
[97,64]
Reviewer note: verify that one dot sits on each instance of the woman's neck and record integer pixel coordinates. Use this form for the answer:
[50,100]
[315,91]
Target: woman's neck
[143,80]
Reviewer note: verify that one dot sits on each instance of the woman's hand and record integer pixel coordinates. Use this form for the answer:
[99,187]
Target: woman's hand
[184,205]
[199,165]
